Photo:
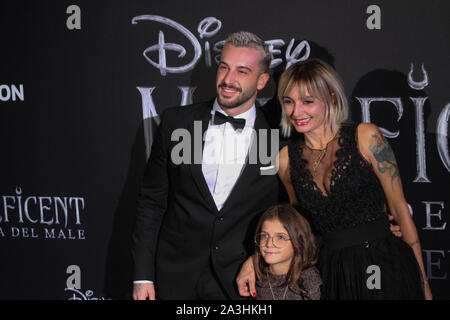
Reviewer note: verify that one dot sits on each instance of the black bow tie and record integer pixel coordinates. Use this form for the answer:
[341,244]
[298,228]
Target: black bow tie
[220,118]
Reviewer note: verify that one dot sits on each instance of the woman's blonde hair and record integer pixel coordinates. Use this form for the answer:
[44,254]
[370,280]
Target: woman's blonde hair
[323,83]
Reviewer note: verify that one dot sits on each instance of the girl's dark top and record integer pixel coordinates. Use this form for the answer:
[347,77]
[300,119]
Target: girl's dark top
[309,282]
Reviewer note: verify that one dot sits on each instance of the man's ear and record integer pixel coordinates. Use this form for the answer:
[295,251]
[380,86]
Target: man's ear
[262,80]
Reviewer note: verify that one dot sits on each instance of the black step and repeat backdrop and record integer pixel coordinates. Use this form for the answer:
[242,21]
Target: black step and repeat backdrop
[82,84]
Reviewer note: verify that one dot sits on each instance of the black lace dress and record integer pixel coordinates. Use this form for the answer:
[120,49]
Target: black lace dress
[345,204]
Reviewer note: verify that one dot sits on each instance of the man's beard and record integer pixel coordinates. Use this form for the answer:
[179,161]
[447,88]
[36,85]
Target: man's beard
[242,97]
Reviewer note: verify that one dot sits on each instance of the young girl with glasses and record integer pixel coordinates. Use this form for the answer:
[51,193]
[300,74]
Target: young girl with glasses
[286,257]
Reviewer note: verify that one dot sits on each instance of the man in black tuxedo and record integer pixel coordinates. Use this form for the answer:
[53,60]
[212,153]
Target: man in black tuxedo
[201,195]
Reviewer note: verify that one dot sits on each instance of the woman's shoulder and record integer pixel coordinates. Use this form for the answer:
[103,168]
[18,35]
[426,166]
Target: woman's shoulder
[361,134]
[365,130]
[292,146]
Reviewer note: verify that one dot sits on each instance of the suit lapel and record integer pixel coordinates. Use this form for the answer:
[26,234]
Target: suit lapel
[249,170]
[202,115]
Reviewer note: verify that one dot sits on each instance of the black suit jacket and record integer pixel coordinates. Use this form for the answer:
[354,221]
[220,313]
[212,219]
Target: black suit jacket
[178,228]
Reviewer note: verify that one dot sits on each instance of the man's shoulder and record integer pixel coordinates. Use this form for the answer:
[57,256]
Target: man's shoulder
[181,112]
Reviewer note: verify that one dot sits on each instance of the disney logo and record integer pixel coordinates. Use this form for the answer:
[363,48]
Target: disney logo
[207,28]
[78,295]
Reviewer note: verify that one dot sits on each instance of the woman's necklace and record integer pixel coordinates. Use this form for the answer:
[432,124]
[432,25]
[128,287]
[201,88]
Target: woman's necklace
[271,290]
[319,158]
[317,161]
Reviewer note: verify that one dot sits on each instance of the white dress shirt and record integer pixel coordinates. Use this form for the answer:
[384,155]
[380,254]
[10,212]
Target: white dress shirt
[225,152]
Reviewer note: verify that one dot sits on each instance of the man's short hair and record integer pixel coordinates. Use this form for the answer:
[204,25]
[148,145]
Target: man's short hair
[250,40]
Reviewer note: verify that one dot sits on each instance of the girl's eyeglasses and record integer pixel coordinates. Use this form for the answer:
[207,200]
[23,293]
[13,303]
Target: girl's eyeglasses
[279,240]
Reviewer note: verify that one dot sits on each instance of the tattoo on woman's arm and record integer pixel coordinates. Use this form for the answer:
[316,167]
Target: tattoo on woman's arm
[384,156]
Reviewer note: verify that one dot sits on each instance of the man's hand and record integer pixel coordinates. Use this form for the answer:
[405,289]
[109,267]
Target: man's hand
[395,229]
[246,279]
[142,291]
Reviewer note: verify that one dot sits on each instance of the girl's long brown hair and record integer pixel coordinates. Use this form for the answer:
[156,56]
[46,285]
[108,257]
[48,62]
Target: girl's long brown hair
[302,238]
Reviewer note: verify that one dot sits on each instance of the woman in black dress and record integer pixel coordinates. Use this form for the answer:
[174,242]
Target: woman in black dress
[344,178]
